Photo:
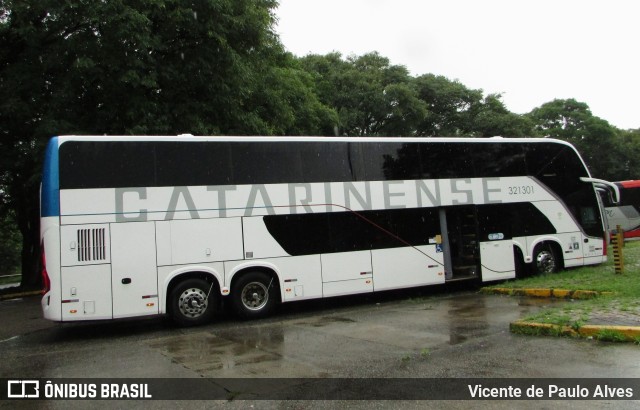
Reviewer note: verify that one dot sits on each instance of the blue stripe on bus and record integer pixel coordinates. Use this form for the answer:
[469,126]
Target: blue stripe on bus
[50,195]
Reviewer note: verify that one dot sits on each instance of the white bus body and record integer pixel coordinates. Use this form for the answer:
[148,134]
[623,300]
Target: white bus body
[136,226]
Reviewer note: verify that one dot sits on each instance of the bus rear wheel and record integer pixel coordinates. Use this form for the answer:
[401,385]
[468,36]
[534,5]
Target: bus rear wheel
[545,260]
[192,302]
[254,295]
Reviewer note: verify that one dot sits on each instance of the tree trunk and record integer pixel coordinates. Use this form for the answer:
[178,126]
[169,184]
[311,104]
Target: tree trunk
[31,278]
[28,218]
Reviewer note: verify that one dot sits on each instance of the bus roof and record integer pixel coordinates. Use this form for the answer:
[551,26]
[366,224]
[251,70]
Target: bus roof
[189,137]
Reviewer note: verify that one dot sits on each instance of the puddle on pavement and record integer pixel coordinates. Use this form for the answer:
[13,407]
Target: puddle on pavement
[461,332]
[539,302]
[456,339]
[323,321]
[477,307]
[206,352]
[240,352]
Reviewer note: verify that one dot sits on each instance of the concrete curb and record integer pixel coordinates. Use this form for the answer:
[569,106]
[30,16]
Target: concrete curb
[546,293]
[20,294]
[600,332]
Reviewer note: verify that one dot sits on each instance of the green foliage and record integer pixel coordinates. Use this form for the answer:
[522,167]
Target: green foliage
[10,243]
[285,102]
[451,107]
[136,67]
[371,96]
[607,335]
[493,119]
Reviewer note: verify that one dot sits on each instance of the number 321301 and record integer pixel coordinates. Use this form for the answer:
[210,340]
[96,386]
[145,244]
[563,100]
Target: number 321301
[521,190]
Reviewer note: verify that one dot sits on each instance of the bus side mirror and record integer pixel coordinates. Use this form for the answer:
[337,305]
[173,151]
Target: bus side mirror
[601,183]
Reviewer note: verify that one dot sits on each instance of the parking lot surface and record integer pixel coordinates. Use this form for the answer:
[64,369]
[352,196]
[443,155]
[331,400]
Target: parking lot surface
[458,334]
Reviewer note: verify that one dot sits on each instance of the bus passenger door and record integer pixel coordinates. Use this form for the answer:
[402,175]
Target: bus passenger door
[478,242]
[496,224]
[134,272]
[459,226]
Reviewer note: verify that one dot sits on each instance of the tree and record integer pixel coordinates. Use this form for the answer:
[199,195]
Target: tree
[492,118]
[135,67]
[284,101]
[450,106]
[627,155]
[595,138]
[372,97]
[10,249]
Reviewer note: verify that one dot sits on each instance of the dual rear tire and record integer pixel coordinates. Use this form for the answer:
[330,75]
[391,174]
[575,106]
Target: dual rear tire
[254,295]
[195,301]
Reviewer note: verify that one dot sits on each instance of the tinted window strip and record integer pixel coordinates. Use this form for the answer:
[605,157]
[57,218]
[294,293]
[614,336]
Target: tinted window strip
[122,164]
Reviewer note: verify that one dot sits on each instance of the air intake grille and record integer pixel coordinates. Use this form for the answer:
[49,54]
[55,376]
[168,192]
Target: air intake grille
[91,245]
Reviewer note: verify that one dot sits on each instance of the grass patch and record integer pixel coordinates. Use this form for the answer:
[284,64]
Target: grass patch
[625,288]
[539,329]
[607,335]
[574,317]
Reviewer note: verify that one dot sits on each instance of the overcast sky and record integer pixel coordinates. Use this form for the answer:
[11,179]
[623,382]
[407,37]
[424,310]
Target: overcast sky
[530,51]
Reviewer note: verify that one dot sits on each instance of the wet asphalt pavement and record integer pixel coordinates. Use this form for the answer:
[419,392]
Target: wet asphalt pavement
[458,334]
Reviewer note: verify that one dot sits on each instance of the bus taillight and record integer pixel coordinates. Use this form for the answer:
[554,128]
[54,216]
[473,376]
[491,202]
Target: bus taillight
[46,282]
[604,243]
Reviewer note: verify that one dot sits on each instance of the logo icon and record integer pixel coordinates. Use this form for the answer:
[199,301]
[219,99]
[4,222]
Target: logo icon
[23,389]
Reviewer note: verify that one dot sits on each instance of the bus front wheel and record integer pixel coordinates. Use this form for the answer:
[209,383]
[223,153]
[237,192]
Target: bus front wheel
[192,302]
[545,259]
[254,295]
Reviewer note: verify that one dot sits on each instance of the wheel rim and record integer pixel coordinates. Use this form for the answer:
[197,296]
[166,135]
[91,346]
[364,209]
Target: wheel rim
[545,262]
[254,296]
[193,302]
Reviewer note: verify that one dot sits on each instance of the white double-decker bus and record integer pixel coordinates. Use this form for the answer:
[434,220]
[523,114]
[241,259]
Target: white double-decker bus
[136,226]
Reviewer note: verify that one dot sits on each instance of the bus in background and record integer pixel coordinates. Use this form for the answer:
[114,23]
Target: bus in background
[626,211]
[136,226]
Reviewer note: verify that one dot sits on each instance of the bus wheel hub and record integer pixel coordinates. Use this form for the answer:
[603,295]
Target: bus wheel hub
[193,302]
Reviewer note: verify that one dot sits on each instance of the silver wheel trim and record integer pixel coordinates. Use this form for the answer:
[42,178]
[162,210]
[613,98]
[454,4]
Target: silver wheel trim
[193,302]
[254,296]
[545,262]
